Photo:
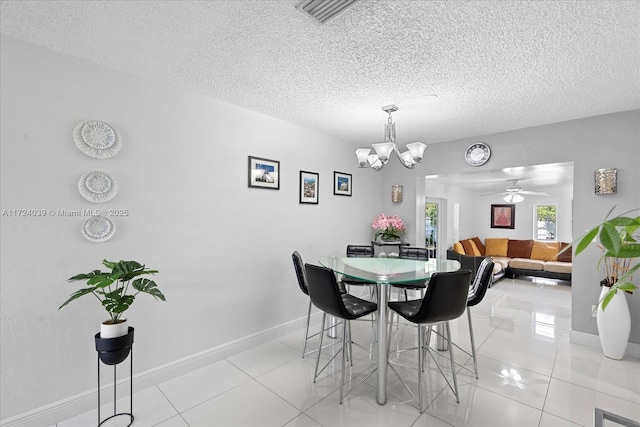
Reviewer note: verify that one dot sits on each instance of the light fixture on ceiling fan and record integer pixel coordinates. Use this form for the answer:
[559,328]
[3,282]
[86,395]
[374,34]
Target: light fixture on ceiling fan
[513,193]
[409,158]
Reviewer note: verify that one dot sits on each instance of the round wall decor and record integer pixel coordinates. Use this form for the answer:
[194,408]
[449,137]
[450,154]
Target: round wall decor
[477,154]
[97,186]
[97,139]
[98,228]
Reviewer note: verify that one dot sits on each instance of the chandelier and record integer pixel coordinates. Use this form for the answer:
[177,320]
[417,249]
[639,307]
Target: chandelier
[409,158]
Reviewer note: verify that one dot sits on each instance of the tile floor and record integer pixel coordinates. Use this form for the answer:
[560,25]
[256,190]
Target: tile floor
[530,375]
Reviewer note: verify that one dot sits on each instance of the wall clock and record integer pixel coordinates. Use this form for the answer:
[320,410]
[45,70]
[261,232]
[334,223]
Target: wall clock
[477,154]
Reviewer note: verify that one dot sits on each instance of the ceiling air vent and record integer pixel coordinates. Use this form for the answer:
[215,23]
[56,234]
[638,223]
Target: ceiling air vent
[323,10]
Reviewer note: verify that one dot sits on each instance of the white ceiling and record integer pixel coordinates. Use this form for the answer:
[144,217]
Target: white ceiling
[493,66]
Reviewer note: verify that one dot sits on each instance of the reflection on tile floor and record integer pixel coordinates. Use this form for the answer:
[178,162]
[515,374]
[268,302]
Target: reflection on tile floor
[530,375]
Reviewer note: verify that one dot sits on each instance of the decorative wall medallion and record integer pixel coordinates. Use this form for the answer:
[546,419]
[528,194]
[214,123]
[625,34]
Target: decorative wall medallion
[97,139]
[97,187]
[98,228]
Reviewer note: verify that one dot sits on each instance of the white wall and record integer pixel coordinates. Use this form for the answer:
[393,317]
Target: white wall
[609,141]
[223,250]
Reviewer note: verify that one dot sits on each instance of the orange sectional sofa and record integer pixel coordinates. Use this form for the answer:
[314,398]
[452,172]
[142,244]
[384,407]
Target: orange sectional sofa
[514,258]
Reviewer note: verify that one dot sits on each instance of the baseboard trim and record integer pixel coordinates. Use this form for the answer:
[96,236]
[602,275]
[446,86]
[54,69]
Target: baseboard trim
[590,340]
[67,408]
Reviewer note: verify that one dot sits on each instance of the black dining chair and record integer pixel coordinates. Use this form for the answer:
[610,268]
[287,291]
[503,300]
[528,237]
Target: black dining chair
[325,294]
[408,252]
[360,251]
[298,265]
[445,299]
[476,294]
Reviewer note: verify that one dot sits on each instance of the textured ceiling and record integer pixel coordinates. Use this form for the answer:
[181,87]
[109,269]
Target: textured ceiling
[494,65]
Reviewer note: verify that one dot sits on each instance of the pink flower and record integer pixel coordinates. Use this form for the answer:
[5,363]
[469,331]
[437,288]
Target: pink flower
[388,225]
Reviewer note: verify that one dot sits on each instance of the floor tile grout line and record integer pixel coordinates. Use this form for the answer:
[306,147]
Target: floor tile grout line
[546,396]
[178,413]
[597,391]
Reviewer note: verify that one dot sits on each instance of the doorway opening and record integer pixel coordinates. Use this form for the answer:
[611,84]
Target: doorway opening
[433,219]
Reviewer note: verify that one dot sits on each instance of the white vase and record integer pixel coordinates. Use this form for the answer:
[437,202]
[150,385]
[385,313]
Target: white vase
[614,325]
[114,330]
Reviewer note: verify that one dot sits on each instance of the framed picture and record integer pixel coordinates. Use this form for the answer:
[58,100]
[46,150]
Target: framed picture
[503,216]
[309,187]
[341,183]
[264,173]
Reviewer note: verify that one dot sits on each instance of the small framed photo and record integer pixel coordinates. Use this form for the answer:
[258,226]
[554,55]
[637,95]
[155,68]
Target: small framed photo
[341,183]
[309,187]
[264,173]
[503,216]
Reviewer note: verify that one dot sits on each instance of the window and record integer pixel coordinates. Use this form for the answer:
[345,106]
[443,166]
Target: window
[545,219]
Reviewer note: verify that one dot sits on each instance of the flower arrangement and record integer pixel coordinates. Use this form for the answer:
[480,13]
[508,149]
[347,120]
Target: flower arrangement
[388,227]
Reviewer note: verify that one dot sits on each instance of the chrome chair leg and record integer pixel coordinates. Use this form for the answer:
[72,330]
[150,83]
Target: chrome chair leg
[420,365]
[350,346]
[315,375]
[345,330]
[473,344]
[453,367]
[306,331]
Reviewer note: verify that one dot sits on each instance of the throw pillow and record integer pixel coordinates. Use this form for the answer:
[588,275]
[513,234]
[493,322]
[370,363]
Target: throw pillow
[496,247]
[566,255]
[470,248]
[545,251]
[519,248]
[457,248]
[479,245]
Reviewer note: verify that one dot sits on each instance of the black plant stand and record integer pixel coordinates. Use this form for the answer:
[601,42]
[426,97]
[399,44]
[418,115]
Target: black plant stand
[112,351]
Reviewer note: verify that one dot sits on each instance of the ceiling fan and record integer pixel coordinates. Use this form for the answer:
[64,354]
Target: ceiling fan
[513,193]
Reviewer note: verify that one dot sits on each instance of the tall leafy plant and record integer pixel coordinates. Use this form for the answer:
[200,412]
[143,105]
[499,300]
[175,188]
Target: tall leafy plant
[620,248]
[116,289]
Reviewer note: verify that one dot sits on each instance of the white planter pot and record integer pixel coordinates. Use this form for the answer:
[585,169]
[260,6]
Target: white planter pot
[614,325]
[109,330]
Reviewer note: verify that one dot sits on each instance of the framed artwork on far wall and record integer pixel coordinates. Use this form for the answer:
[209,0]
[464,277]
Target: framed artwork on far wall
[264,173]
[503,216]
[342,184]
[309,187]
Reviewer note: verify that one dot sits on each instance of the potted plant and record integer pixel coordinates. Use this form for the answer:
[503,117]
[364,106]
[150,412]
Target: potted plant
[620,248]
[114,289]
[389,228]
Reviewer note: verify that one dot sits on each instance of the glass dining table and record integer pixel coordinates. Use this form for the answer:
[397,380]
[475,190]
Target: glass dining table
[385,272]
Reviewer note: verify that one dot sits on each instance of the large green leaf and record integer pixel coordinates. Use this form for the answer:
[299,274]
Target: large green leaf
[102,281]
[127,269]
[148,286]
[85,276]
[607,298]
[77,294]
[610,238]
[630,250]
[116,303]
[588,238]
[624,221]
